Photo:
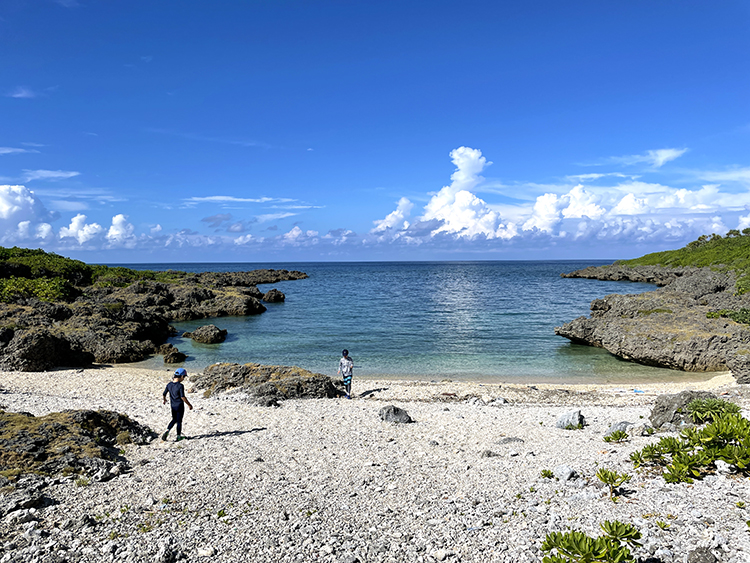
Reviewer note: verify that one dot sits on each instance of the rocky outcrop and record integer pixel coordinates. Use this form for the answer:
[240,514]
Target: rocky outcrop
[207,334]
[667,327]
[274,296]
[264,384]
[67,442]
[122,324]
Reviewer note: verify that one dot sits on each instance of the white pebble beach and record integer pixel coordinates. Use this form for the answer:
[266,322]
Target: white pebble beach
[328,480]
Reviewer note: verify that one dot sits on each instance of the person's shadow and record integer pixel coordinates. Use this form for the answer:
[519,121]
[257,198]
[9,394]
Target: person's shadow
[372,392]
[226,433]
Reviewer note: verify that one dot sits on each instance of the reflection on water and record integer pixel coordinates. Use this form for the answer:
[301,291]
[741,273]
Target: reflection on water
[488,321]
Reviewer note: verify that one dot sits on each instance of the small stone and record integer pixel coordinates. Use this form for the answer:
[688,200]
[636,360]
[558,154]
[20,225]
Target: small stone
[206,552]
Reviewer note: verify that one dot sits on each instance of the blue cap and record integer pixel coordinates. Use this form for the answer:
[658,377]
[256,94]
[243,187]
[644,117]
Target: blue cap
[180,372]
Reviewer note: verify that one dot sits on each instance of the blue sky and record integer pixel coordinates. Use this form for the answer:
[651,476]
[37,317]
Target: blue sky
[186,130]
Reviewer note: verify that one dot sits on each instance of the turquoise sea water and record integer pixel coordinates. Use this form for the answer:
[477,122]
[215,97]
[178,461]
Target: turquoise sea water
[477,321]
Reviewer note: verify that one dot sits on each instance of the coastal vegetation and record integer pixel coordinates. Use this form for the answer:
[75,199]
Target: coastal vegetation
[50,277]
[728,253]
[725,438]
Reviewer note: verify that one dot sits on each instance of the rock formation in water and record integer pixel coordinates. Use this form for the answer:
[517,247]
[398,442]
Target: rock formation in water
[123,324]
[671,327]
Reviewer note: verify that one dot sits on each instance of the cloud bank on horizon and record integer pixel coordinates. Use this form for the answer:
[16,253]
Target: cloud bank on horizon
[629,211]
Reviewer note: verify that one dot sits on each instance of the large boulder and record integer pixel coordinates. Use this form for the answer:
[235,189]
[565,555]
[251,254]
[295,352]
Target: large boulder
[265,384]
[207,334]
[39,349]
[70,441]
[273,296]
[394,414]
[672,409]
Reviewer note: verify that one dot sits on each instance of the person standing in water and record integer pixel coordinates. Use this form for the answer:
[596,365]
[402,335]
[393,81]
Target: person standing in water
[346,365]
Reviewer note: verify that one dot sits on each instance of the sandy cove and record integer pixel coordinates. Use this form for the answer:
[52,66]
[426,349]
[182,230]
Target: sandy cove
[327,480]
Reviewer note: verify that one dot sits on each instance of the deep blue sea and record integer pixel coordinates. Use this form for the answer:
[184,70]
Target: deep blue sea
[476,321]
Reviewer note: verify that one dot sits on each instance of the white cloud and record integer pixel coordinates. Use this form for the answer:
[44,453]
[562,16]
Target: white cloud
[273,216]
[298,237]
[738,175]
[80,230]
[395,219]
[629,205]
[11,150]
[231,199]
[22,92]
[31,175]
[121,233]
[654,158]
[581,203]
[18,203]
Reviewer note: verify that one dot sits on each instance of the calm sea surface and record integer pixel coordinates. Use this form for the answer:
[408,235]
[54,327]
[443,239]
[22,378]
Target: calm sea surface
[477,321]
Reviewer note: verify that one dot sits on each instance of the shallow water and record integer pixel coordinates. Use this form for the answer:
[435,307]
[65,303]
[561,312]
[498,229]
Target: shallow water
[474,321]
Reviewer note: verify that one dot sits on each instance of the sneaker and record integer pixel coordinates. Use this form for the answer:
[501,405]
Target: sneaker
[181,438]
[165,436]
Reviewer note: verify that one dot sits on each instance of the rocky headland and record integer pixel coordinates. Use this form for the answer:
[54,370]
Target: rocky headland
[677,326]
[123,322]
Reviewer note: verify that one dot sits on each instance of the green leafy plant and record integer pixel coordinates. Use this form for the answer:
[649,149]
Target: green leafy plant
[617,436]
[576,547]
[725,438]
[663,525]
[612,479]
[547,474]
[708,410]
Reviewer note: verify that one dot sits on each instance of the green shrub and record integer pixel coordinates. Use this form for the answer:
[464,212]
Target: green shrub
[44,289]
[741,316]
[707,410]
[725,438]
[612,479]
[547,474]
[616,436]
[577,547]
[729,253]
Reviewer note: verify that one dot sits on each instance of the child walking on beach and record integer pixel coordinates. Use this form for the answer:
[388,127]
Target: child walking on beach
[177,400]
[346,365]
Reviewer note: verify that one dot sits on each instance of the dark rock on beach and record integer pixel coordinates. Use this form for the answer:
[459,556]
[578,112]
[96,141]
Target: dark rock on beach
[667,327]
[672,410]
[122,324]
[67,442]
[394,414]
[265,384]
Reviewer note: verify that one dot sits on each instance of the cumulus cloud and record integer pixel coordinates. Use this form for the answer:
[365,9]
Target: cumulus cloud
[80,230]
[630,211]
[298,237]
[121,233]
[395,219]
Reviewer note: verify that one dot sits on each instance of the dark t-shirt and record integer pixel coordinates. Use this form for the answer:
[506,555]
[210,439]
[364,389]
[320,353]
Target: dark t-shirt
[176,392]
